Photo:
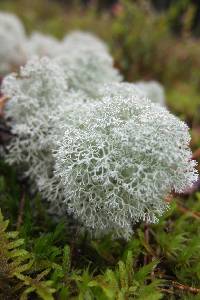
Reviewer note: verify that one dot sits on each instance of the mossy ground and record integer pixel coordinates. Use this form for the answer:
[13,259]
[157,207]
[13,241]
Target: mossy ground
[53,258]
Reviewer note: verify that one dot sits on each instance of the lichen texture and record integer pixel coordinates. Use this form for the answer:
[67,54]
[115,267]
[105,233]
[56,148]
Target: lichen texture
[118,166]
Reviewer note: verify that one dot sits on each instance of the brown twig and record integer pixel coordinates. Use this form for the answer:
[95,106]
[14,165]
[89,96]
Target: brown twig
[196,154]
[21,211]
[166,291]
[148,247]
[3,100]
[146,238]
[183,209]
[183,287]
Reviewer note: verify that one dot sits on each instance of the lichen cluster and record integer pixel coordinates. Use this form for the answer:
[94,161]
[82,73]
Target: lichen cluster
[95,147]
[118,167]
[152,90]
[12,39]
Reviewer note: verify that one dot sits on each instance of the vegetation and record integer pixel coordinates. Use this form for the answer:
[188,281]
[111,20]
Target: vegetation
[41,258]
[47,259]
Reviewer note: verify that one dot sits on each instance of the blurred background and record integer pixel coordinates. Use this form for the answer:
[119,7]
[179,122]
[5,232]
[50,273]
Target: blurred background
[155,39]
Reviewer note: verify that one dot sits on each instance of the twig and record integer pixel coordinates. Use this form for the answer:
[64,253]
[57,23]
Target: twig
[183,287]
[3,100]
[148,247]
[166,291]
[21,211]
[196,154]
[146,238]
[183,209]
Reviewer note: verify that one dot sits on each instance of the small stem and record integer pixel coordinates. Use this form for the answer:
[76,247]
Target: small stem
[196,154]
[21,211]
[183,209]
[166,291]
[183,287]
[146,238]
[3,100]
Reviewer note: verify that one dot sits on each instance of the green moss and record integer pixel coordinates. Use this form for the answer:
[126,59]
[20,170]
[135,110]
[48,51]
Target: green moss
[58,264]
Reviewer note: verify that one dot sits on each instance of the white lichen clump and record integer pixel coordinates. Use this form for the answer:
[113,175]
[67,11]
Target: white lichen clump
[124,89]
[35,95]
[12,40]
[37,112]
[82,41]
[42,45]
[87,63]
[119,165]
[152,90]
